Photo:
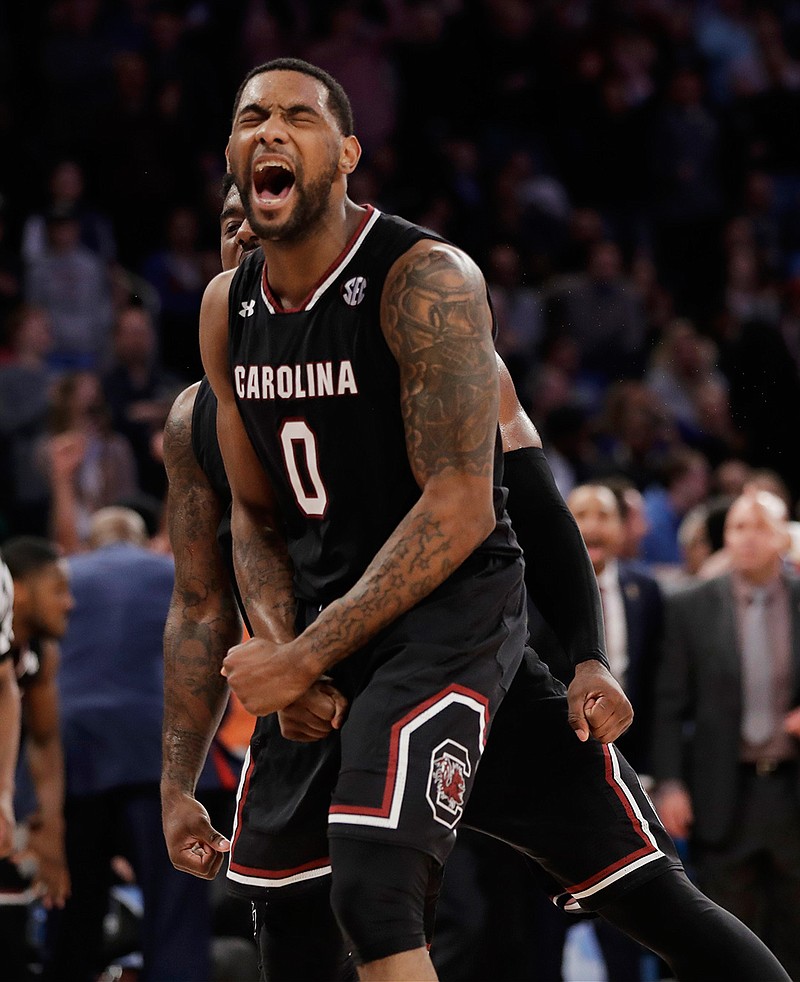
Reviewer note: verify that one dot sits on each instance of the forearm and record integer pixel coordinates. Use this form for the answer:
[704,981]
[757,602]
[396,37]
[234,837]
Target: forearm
[195,694]
[428,545]
[46,763]
[9,724]
[63,516]
[558,573]
[264,573]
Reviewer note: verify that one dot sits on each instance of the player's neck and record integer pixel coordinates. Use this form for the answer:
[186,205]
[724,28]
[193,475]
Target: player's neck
[295,268]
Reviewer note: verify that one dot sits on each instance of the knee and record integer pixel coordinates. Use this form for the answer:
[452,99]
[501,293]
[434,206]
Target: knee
[378,894]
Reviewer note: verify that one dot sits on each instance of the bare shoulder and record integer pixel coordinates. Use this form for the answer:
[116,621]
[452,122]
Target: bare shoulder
[437,289]
[516,428]
[178,428]
[214,327]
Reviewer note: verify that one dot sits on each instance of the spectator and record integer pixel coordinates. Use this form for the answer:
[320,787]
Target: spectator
[72,285]
[66,194]
[634,515]
[139,392]
[179,272]
[601,310]
[685,168]
[682,362]
[725,752]
[110,686]
[518,310]
[685,483]
[24,405]
[89,465]
[38,869]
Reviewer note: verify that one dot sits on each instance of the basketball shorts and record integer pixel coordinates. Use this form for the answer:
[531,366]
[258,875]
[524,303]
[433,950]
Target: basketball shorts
[422,696]
[578,809]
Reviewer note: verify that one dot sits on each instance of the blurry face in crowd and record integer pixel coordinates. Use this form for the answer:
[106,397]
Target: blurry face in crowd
[135,338]
[596,511]
[236,236]
[757,535]
[43,601]
[284,152]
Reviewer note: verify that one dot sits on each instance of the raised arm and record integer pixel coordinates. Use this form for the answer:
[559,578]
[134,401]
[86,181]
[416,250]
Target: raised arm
[203,622]
[436,320]
[261,563]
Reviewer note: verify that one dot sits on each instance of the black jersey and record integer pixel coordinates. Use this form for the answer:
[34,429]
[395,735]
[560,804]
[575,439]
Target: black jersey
[205,445]
[318,390]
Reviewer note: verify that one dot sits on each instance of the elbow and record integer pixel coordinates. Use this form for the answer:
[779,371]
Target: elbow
[476,519]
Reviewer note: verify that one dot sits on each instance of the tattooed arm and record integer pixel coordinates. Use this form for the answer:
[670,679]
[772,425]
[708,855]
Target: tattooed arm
[436,321]
[203,622]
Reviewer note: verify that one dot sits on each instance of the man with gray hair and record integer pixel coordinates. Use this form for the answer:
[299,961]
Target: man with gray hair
[727,726]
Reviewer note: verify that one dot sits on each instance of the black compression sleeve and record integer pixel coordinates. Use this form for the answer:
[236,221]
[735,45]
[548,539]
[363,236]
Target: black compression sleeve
[558,572]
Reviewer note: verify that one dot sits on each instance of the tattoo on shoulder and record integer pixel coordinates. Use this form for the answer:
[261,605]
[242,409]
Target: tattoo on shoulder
[436,320]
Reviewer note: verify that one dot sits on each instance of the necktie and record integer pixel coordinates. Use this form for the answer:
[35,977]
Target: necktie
[758,719]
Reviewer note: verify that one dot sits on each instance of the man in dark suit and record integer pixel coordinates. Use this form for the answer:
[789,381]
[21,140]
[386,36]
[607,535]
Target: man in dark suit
[727,727]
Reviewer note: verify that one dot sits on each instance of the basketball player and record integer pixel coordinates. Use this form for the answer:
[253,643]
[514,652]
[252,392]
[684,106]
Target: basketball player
[364,387]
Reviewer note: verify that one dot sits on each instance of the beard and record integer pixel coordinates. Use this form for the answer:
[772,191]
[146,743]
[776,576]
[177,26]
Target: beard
[311,202]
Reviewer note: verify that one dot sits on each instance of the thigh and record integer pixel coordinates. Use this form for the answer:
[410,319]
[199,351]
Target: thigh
[416,731]
[576,808]
[280,831]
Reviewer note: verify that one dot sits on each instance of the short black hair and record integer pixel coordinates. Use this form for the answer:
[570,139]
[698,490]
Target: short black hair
[26,554]
[338,101]
[227,185]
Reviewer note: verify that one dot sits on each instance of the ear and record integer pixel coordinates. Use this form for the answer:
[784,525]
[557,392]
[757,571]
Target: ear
[228,156]
[349,155]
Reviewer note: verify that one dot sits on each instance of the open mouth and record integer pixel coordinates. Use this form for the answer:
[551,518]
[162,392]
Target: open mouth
[273,181]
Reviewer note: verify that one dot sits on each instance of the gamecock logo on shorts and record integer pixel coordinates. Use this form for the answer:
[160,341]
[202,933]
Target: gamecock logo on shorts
[447,782]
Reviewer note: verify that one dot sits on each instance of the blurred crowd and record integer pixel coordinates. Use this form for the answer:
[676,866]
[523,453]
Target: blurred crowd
[626,173]
[623,171]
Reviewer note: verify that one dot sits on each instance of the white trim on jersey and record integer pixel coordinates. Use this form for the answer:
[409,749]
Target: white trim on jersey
[242,779]
[651,857]
[392,820]
[336,271]
[270,883]
[266,882]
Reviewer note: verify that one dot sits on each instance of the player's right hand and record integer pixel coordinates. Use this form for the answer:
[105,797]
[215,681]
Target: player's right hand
[194,845]
[312,717]
[597,705]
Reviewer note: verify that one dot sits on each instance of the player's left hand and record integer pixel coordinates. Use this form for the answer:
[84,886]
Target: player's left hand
[46,844]
[267,676]
[312,717]
[597,705]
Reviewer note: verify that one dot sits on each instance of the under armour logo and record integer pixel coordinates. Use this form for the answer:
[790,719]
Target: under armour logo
[247,308]
[353,290]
